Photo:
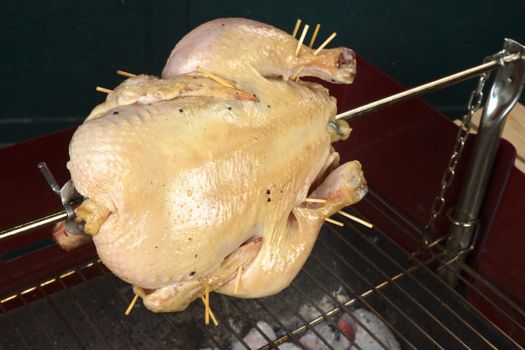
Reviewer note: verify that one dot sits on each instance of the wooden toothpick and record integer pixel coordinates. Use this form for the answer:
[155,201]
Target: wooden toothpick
[131,305]
[335,222]
[208,310]
[101,89]
[206,304]
[296,28]
[314,35]
[238,280]
[214,77]
[126,74]
[326,42]
[356,219]
[315,200]
[301,39]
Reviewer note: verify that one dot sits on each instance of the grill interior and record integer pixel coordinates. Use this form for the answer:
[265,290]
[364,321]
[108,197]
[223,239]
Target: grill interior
[350,268]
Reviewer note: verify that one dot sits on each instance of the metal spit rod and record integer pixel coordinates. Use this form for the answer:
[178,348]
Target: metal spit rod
[33,225]
[373,106]
[431,86]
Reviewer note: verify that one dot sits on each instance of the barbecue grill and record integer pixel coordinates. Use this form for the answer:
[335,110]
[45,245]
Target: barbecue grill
[427,294]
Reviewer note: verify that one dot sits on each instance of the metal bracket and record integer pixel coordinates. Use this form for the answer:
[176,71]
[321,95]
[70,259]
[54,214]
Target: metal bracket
[69,197]
[506,89]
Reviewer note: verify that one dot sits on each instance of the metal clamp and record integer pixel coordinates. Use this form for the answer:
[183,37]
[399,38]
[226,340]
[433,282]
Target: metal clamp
[464,224]
[470,226]
[69,197]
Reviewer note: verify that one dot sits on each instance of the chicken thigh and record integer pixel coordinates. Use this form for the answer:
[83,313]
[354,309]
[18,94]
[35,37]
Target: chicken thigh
[190,179]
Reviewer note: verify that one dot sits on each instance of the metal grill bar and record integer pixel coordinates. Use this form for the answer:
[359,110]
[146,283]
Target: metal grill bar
[458,274]
[111,280]
[345,308]
[463,279]
[305,322]
[12,323]
[378,291]
[386,322]
[61,317]
[418,230]
[309,325]
[291,336]
[37,321]
[420,284]
[120,325]
[338,309]
[270,343]
[118,292]
[206,332]
[466,269]
[237,336]
[318,309]
[83,312]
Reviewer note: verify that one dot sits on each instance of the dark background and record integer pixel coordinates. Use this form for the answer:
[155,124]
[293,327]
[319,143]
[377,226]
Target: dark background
[54,53]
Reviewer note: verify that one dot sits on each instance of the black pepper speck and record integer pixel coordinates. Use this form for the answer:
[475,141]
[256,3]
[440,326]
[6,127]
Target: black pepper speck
[115,113]
[181,110]
[229,108]
[192,273]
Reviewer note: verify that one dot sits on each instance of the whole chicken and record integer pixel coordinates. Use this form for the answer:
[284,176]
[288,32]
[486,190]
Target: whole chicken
[199,180]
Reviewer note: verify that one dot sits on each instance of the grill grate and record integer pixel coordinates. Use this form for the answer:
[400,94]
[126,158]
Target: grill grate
[350,268]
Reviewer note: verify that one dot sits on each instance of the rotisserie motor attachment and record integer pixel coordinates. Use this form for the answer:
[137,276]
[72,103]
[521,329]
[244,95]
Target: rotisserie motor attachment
[197,181]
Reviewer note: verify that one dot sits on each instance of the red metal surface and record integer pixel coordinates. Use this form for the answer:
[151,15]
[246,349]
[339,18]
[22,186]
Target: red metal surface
[404,150]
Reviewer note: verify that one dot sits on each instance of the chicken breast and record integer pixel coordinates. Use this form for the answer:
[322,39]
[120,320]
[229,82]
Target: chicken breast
[192,176]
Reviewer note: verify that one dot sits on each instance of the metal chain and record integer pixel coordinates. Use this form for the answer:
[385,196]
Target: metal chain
[474,103]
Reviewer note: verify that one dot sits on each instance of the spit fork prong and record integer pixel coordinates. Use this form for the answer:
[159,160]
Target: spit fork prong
[68,195]
[50,179]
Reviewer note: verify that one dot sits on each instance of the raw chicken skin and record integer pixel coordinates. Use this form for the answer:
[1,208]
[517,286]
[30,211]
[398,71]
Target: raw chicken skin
[188,179]
[233,46]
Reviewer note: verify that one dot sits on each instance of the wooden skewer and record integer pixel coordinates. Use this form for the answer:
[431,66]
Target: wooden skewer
[212,315]
[126,74]
[301,39]
[238,280]
[356,219]
[315,200]
[296,28]
[128,310]
[314,35]
[214,77]
[101,89]
[335,222]
[330,38]
[206,304]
